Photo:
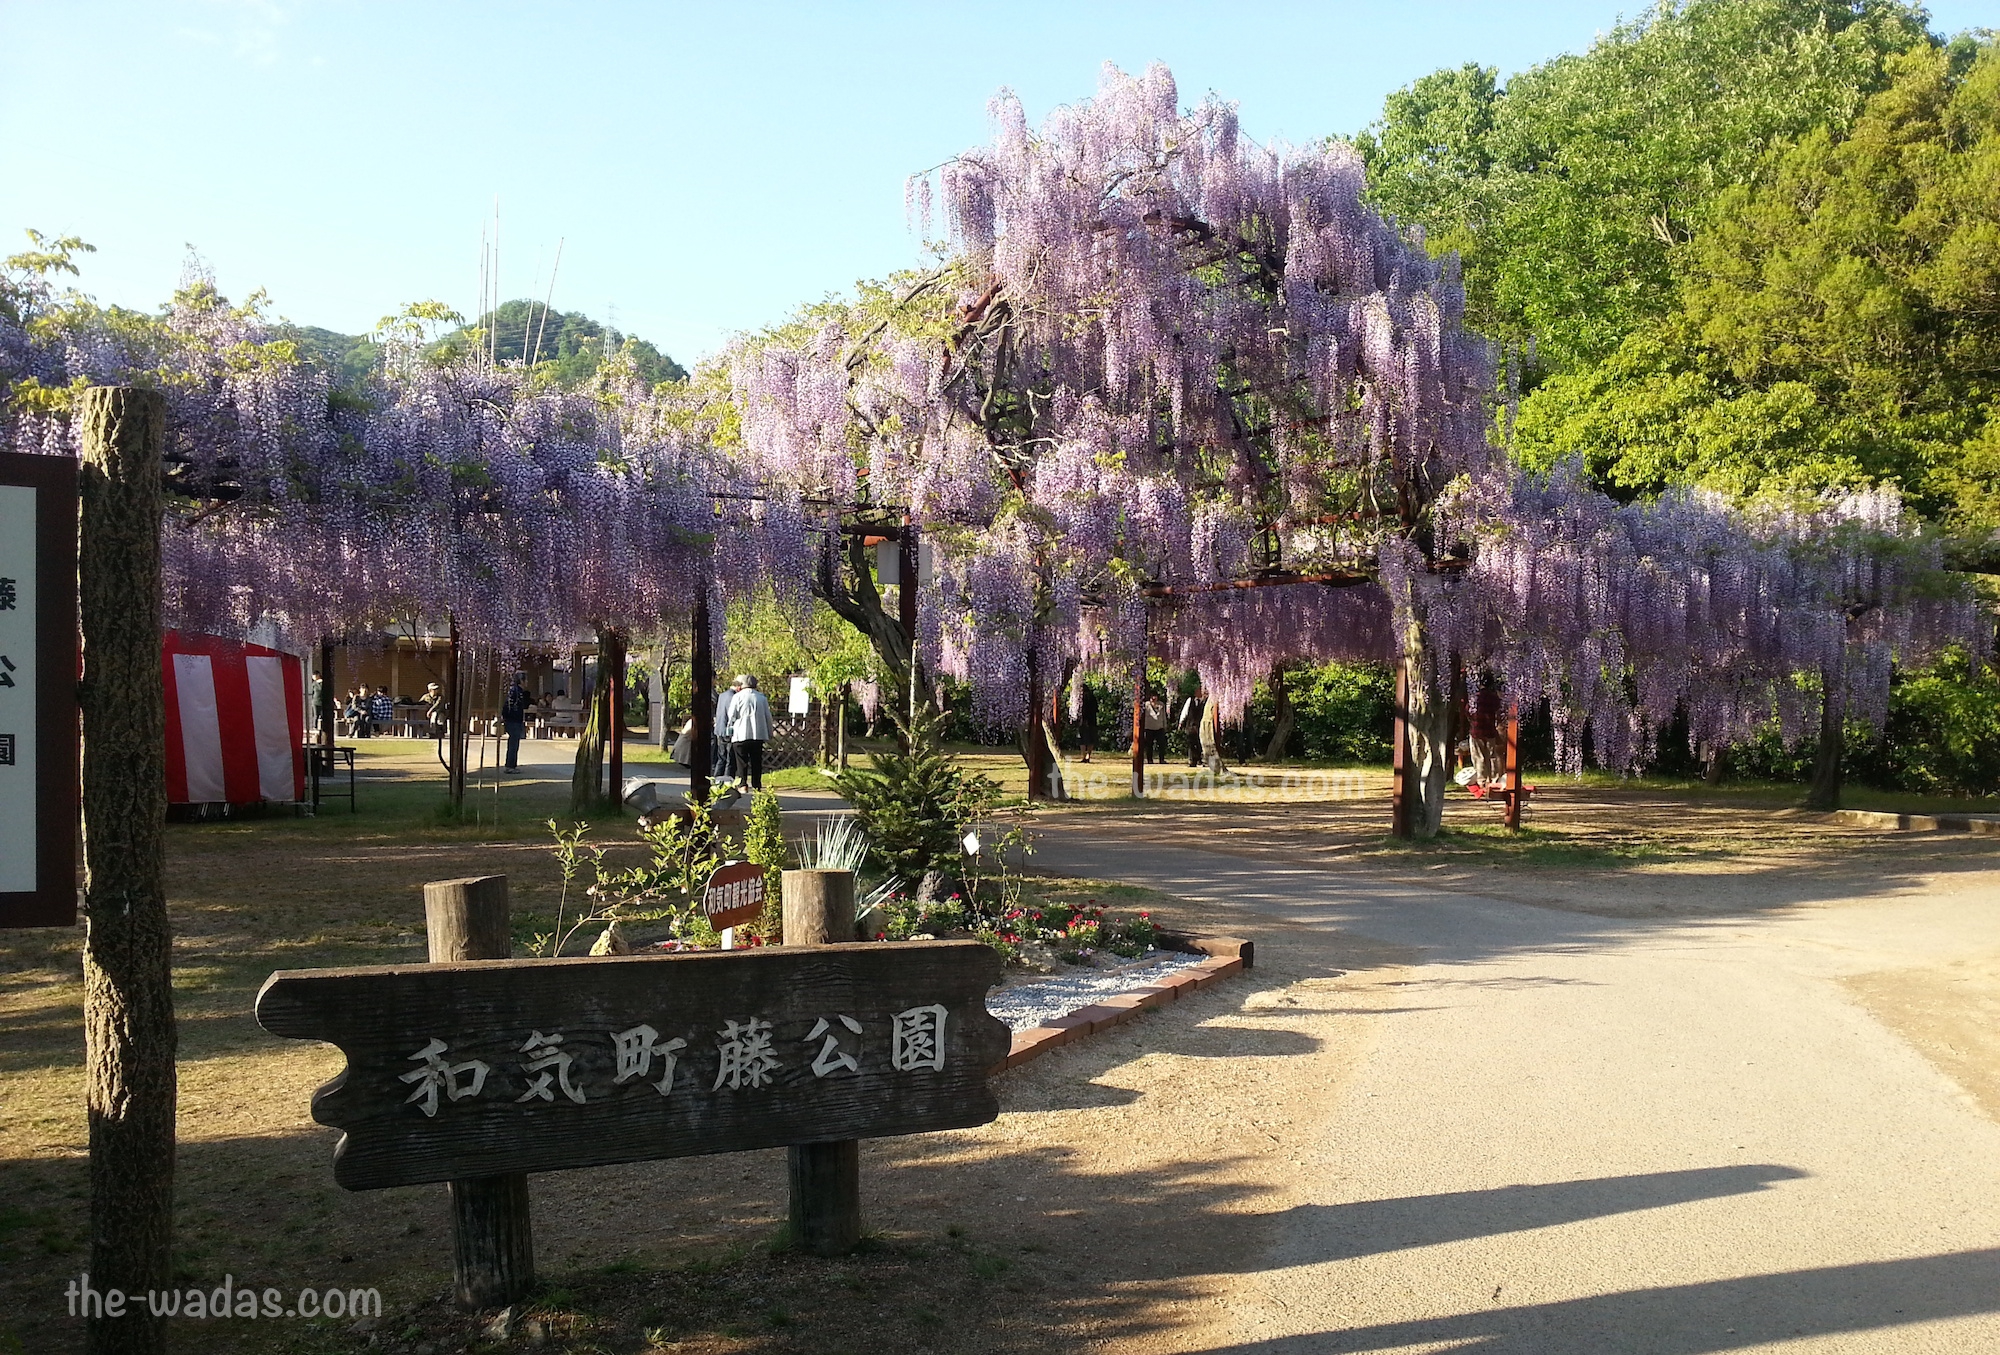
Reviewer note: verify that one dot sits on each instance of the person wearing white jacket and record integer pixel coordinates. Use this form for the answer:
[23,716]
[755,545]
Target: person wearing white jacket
[749,728]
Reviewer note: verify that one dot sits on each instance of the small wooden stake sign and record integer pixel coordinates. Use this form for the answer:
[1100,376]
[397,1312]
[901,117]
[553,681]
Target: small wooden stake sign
[735,894]
[458,1071]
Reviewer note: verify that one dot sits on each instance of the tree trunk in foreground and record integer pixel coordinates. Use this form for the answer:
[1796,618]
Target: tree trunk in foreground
[128,1002]
[1428,766]
[1824,793]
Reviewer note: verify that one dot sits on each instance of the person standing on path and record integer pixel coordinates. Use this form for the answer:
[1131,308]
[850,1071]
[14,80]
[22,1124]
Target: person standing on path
[514,718]
[1211,732]
[749,727]
[1086,720]
[718,756]
[1153,724]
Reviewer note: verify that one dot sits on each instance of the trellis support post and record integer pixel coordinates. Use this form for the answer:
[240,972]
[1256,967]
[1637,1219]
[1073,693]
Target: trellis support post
[1139,729]
[1511,768]
[702,664]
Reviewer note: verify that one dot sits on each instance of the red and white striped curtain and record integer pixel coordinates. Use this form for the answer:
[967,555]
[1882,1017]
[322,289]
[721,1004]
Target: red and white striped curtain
[235,721]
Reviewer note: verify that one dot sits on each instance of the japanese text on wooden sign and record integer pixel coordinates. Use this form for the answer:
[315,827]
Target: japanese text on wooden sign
[38,768]
[735,894]
[464,1070]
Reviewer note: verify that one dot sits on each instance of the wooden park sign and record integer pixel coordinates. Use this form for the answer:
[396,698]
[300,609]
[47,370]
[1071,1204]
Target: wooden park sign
[38,711]
[735,894]
[457,1071]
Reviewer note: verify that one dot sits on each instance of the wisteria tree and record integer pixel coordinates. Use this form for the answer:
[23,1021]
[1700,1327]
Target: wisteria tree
[1186,376]
[523,511]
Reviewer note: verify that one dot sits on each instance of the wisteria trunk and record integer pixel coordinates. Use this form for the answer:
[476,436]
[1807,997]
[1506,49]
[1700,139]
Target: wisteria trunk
[1828,762]
[858,602]
[1717,765]
[585,796]
[1285,720]
[1428,767]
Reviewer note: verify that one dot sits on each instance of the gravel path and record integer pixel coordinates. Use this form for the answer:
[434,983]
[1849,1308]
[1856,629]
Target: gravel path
[1024,1006]
[1567,1133]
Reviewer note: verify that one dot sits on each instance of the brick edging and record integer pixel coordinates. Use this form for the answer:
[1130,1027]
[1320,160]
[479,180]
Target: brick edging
[1116,1011]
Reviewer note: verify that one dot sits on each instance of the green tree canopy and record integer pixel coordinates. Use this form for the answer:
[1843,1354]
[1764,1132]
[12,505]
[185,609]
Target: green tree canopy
[1567,190]
[571,341]
[1835,321]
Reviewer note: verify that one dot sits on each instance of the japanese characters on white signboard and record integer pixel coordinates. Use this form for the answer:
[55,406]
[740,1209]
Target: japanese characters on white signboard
[19,816]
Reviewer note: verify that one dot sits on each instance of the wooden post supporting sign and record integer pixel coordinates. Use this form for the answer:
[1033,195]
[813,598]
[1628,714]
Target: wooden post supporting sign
[824,1178]
[493,1243]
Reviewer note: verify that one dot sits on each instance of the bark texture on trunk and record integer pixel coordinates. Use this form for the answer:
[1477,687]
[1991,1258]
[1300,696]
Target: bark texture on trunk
[1285,721]
[1828,762]
[1716,765]
[128,1010]
[1429,754]
[585,794]
[856,600]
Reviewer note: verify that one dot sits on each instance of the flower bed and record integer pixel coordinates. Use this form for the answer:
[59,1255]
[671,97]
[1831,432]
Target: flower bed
[1038,936]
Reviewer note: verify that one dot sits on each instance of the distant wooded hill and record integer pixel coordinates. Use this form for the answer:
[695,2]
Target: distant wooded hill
[569,344]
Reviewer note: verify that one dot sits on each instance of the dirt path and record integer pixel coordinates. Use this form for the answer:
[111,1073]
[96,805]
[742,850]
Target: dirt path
[1676,1078]
[1651,1111]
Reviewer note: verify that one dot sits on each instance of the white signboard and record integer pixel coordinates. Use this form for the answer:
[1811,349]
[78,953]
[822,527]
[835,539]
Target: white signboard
[801,694]
[18,783]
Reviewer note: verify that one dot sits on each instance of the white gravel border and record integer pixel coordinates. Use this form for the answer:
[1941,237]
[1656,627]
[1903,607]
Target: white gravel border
[1023,1006]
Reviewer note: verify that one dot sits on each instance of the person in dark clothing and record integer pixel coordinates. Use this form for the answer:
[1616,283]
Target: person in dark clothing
[514,718]
[1086,721]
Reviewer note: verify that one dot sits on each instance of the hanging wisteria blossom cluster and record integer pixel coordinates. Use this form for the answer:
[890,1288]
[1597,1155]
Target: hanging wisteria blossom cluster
[523,511]
[1174,361]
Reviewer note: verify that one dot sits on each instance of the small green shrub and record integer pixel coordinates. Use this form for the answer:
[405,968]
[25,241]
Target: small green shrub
[915,805]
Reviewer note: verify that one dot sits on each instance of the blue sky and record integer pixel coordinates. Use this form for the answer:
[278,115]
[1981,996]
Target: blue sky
[710,166]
